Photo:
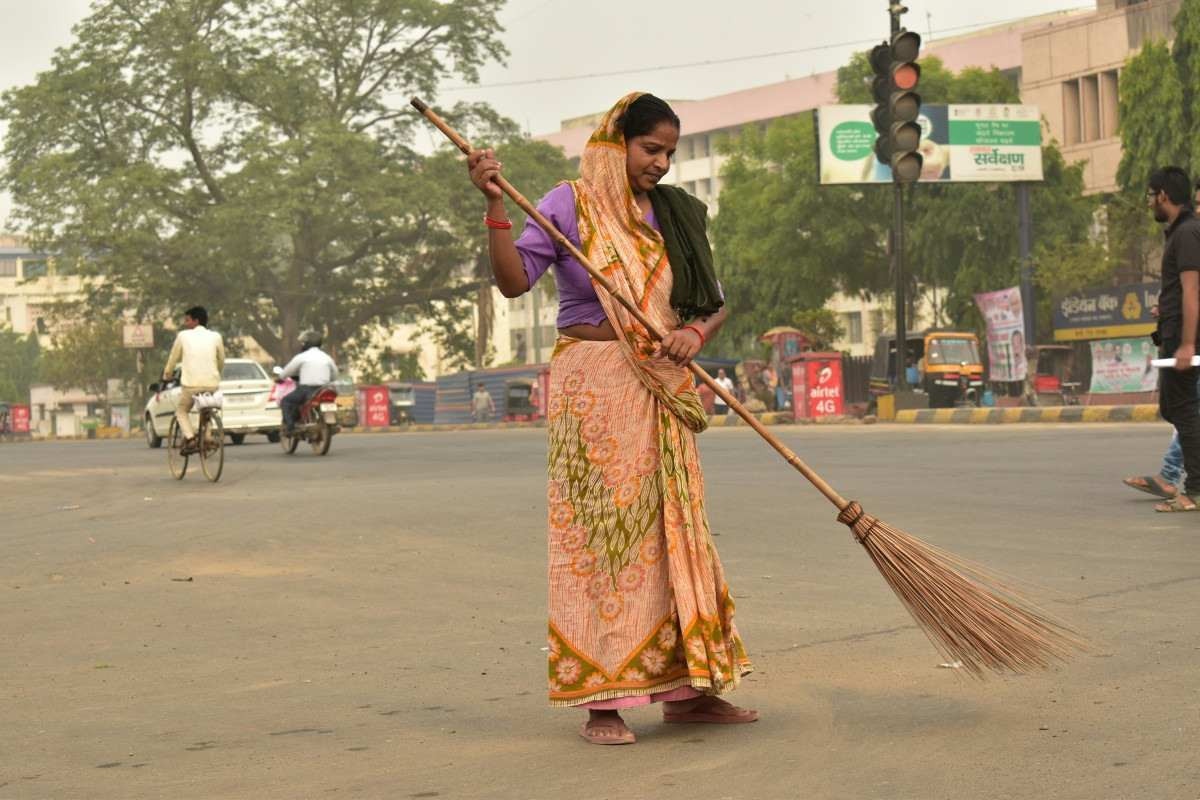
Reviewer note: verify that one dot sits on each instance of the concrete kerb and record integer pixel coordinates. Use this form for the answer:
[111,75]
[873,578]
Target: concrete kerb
[995,416]
[931,416]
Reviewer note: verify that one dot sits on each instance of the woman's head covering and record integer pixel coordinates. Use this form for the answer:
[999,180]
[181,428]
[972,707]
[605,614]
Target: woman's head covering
[681,217]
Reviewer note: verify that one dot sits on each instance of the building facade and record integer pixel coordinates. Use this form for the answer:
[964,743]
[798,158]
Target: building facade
[1071,70]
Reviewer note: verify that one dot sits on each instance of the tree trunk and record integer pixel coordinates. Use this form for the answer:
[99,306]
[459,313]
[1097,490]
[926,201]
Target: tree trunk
[483,330]
[289,317]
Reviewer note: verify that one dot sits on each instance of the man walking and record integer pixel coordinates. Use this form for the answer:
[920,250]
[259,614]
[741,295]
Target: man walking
[482,405]
[720,407]
[1167,194]
[201,353]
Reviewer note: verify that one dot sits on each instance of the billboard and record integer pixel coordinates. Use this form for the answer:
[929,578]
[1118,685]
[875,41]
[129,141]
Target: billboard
[1107,313]
[959,143]
[1005,334]
[1123,365]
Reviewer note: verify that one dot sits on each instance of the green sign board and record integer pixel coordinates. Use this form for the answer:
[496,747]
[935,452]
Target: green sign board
[959,143]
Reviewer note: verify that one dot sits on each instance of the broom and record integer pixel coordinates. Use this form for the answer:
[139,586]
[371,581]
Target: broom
[985,627]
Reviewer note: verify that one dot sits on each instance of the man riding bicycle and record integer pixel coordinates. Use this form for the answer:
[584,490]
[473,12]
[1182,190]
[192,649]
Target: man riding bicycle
[201,353]
[312,368]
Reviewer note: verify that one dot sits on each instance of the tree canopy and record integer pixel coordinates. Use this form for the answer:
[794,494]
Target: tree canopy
[254,156]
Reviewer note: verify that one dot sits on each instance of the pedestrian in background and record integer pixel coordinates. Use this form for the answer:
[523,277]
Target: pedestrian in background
[482,405]
[1168,195]
[720,407]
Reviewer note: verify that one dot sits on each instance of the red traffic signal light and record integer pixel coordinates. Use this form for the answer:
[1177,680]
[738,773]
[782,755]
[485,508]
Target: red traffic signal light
[897,74]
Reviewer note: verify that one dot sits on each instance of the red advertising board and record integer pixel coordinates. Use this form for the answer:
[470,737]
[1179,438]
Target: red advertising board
[19,418]
[374,406]
[817,385]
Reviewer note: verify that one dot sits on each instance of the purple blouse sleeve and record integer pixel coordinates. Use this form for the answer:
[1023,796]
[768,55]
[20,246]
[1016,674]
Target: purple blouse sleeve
[538,251]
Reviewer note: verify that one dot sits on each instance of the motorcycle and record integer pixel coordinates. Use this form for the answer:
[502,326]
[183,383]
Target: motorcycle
[316,423]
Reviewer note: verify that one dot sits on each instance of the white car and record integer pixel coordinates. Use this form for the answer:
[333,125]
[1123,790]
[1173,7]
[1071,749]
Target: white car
[247,409]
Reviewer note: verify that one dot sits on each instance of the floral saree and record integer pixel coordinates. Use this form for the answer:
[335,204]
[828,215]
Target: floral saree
[638,600]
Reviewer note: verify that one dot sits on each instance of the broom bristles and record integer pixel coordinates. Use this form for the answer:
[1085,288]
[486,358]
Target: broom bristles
[968,615]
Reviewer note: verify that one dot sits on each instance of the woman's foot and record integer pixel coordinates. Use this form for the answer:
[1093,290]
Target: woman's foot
[1156,485]
[606,727]
[707,708]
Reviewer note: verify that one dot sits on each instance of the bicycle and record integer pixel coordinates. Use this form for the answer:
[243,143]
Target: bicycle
[210,443]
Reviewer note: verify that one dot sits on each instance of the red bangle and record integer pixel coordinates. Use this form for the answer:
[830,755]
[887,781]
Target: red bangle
[700,333]
[497,224]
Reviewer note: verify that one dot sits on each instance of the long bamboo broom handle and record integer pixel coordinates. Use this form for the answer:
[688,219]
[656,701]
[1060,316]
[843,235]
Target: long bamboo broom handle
[783,450]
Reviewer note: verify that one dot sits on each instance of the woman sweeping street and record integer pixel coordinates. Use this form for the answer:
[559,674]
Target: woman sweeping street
[639,608]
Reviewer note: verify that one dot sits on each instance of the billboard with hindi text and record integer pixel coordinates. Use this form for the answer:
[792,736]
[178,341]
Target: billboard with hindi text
[959,143]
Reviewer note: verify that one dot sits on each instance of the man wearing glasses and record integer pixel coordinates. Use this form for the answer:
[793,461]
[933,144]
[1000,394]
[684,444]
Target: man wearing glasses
[1178,321]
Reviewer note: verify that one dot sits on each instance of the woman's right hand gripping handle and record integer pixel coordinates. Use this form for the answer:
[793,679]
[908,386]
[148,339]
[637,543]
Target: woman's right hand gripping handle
[506,261]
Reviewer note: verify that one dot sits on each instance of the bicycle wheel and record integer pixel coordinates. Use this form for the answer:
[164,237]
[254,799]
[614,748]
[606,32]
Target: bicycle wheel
[177,460]
[212,445]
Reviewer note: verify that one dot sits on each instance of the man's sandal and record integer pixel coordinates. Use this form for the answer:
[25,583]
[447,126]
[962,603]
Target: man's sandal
[1180,502]
[1152,484]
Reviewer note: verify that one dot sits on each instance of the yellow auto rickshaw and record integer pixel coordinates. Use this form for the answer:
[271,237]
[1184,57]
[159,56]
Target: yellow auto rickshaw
[945,365]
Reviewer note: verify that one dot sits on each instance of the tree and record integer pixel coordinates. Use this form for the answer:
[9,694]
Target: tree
[784,244]
[19,363]
[820,326]
[249,155]
[386,365]
[1186,54]
[534,168]
[1154,130]
[86,356]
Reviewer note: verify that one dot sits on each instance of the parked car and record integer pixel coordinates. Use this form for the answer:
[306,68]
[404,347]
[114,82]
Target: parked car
[248,407]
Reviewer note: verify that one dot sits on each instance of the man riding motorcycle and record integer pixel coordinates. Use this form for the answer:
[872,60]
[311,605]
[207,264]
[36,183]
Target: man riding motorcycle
[312,368]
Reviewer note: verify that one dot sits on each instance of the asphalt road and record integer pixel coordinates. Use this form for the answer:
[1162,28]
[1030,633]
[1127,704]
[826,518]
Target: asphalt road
[371,624]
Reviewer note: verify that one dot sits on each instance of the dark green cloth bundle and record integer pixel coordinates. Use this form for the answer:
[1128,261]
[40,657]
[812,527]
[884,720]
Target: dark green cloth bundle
[683,220]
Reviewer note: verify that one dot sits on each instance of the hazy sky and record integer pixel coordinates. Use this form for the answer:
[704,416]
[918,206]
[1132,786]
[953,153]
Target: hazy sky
[646,40]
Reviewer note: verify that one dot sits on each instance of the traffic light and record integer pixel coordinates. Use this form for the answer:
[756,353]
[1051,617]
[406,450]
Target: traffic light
[897,105]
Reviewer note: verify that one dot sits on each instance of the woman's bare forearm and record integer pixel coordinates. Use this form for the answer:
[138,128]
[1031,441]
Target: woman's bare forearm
[709,324]
[506,261]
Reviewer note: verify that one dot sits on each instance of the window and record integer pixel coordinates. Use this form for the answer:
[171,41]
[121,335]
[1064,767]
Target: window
[684,151]
[700,146]
[877,322]
[704,188]
[516,341]
[242,371]
[8,268]
[1109,104]
[34,269]
[1089,104]
[853,324]
[1071,113]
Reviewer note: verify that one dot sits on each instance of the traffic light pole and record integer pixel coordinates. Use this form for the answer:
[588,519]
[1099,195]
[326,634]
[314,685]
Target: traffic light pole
[898,251]
[898,271]
[1025,250]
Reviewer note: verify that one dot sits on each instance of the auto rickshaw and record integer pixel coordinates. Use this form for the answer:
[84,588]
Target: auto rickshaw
[1052,378]
[945,365]
[402,399]
[347,412]
[519,403]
